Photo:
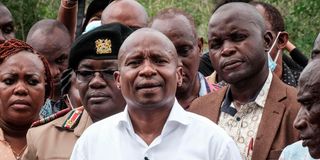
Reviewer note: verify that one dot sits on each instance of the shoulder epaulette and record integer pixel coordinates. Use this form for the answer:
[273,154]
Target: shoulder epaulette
[51,117]
[73,119]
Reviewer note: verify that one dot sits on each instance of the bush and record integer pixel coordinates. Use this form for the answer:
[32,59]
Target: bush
[26,13]
[301,17]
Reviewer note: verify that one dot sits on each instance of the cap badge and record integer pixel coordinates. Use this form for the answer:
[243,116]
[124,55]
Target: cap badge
[103,46]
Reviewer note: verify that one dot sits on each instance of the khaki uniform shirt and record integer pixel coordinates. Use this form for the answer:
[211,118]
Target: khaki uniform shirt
[5,149]
[52,140]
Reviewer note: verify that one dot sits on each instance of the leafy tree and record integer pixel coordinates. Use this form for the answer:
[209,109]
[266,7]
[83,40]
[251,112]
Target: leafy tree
[26,13]
[301,16]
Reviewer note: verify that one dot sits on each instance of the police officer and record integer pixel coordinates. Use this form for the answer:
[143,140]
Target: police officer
[93,58]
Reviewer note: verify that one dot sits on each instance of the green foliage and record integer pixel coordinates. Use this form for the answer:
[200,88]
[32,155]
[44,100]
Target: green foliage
[199,9]
[302,21]
[26,13]
[301,16]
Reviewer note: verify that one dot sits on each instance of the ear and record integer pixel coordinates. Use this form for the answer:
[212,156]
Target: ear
[268,39]
[200,45]
[283,39]
[116,76]
[179,76]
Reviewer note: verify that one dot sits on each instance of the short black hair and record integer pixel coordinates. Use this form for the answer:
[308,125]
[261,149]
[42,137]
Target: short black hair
[273,16]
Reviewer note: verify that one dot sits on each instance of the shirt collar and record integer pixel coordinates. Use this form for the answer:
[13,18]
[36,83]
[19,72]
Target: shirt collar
[1,135]
[204,85]
[260,99]
[263,94]
[176,115]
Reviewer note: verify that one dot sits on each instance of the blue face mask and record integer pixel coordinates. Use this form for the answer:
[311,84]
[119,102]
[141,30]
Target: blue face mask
[272,63]
[91,26]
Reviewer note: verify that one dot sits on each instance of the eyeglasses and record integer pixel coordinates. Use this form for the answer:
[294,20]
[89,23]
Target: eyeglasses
[87,75]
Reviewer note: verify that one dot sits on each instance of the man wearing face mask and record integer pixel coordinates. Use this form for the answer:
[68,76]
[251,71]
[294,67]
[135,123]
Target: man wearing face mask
[286,68]
[256,109]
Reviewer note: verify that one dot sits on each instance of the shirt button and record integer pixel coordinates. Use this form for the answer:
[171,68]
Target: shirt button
[238,118]
[146,158]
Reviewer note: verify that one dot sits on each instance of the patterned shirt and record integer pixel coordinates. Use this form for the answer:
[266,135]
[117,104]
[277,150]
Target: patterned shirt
[50,107]
[242,125]
[290,76]
[205,87]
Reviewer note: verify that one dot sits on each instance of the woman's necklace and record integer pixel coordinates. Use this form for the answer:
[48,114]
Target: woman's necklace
[18,155]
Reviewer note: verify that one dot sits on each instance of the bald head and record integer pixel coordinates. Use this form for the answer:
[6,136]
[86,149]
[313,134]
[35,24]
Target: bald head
[310,74]
[146,39]
[241,11]
[174,15]
[316,48]
[52,40]
[128,12]
[47,29]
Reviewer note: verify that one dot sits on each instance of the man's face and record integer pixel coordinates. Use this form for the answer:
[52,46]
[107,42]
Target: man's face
[55,48]
[274,51]
[6,24]
[316,48]
[308,118]
[98,91]
[148,72]
[187,45]
[236,45]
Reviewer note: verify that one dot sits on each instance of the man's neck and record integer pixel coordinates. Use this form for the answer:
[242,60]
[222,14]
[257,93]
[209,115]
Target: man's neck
[148,124]
[247,89]
[187,96]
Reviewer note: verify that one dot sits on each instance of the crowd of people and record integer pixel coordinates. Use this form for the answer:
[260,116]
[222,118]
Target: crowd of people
[134,87]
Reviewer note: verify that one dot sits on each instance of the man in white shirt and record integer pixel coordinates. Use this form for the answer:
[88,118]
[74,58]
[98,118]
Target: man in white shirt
[153,125]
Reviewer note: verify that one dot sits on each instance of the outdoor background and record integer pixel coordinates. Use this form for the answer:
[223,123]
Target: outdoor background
[302,17]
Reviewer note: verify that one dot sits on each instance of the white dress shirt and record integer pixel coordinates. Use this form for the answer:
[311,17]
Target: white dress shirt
[185,136]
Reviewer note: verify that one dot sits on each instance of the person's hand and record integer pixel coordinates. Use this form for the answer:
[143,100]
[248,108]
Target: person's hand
[69,3]
[290,46]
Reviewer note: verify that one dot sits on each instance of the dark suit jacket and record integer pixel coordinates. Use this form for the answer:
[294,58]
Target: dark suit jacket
[276,127]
